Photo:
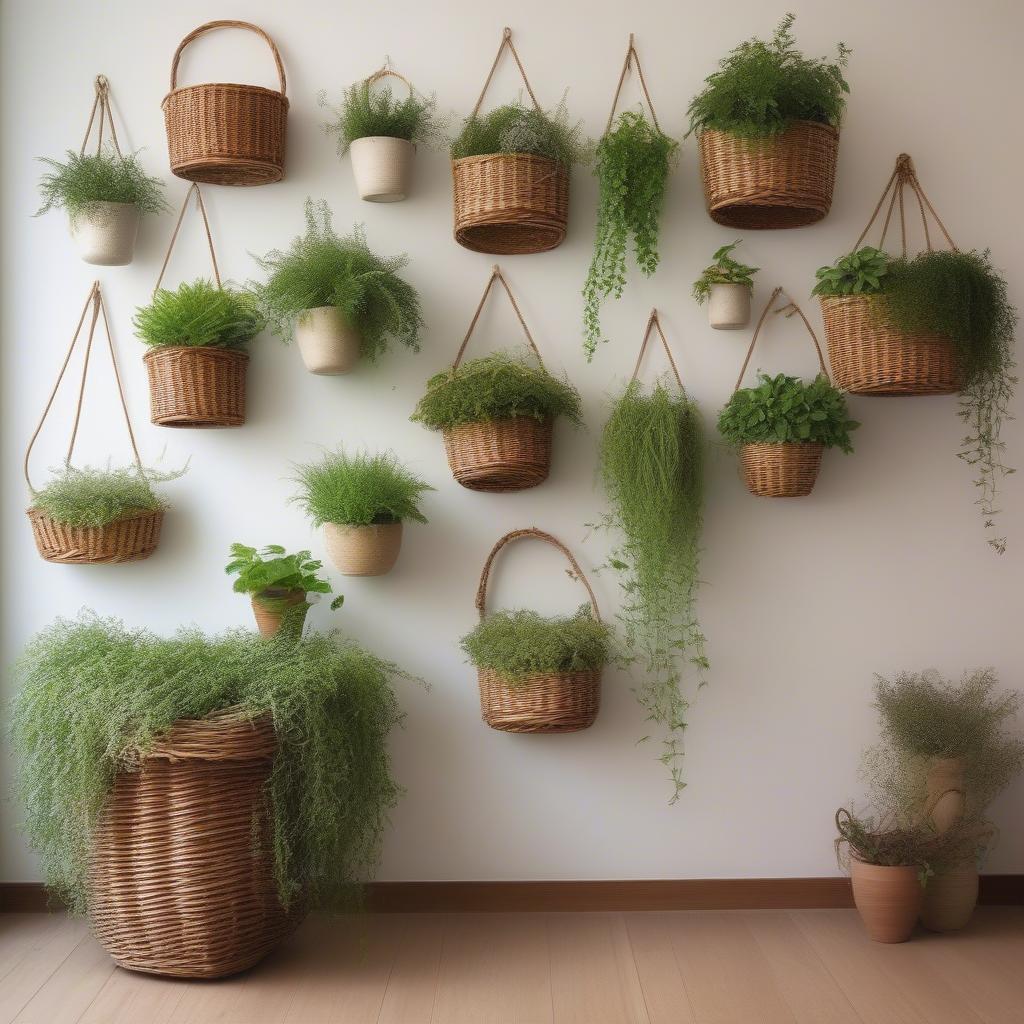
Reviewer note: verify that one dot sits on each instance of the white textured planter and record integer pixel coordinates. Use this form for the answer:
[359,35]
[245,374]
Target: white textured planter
[326,342]
[382,167]
[105,236]
[729,307]
[363,550]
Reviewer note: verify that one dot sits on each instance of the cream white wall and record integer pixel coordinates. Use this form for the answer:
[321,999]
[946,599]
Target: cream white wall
[884,567]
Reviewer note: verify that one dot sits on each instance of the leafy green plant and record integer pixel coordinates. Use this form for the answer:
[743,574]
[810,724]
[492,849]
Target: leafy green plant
[633,162]
[498,386]
[359,489]
[368,112]
[761,88]
[513,128]
[519,644]
[81,182]
[723,270]
[322,269]
[858,273]
[783,409]
[199,315]
[274,569]
[652,457]
[96,497]
[94,694]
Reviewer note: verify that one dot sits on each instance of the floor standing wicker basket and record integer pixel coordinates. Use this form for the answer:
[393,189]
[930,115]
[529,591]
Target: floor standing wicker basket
[224,133]
[182,875]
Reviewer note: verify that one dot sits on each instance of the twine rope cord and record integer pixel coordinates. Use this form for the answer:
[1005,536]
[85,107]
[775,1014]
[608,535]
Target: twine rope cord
[194,188]
[654,322]
[101,105]
[388,72]
[632,57]
[506,40]
[497,275]
[228,23]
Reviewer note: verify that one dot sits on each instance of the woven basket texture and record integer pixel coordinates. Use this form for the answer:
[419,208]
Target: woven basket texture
[193,386]
[781,470]
[129,539]
[561,702]
[363,550]
[500,455]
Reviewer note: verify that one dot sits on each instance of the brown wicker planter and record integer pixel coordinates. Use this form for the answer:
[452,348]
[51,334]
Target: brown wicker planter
[780,470]
[226,134]
[566,702]
[196,386]
[363,550]
[870,356]
[781,181]
[182,875]
[272,607]
[500,455]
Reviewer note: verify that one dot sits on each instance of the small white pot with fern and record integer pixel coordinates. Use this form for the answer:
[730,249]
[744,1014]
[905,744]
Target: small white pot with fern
[105,233]
[382,166]
[729,307]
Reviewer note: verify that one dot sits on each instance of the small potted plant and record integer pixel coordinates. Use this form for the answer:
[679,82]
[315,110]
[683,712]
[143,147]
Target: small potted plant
[382,132]
[104,195]
[338,299]
[361,501]
[726,285]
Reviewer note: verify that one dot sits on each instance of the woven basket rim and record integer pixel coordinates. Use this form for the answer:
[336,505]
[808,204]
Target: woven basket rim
[827,128]
[502,419]
[480,157]
[237,86]
[219,350]
[583,675]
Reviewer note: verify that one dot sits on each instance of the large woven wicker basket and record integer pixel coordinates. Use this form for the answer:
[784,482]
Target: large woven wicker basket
[129,539]
[182,876]
[223,133]
[500,455]
[781,470]
[193,386]
[781,181]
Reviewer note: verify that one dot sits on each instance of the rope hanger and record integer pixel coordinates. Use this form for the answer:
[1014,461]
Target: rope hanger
[654,323]
[497,275]
[194,189]
[506,40]
[101,105]
[632,58]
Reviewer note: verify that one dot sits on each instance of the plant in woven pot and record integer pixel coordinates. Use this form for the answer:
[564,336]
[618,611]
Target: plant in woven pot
[726,286]
[497,413]
[510,172]
[337,298]
[361,501]
[652,465]
[536,674]
[767,124]
[252,790]
[281,585]
[381,132]
[783,425]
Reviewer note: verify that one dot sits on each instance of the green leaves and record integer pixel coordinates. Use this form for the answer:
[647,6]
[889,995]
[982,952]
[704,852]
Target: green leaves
[97,497]
[199,315]
[273,567]
[784,409]
[374,111]
[724,270]
[863,272]
[513,128]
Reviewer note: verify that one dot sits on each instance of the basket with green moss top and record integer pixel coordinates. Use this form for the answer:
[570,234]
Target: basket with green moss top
[536,674]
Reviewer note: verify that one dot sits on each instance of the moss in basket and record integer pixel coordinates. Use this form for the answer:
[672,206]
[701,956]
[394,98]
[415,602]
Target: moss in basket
[515,128]
[82,181]
[761,88]
[498,386]
[94,692]
[368,110]
[98,497]
[322,269]
[520,644]
[199,315]
[274,569]
[359,489]
[724,269]
[785,409]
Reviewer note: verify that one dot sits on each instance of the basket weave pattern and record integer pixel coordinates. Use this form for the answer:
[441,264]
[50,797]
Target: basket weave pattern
[786,470]
[783,181]
[129,539]
[500,455]
[363,550]
[182,879]
[870,356]
[566,702]
[196,386]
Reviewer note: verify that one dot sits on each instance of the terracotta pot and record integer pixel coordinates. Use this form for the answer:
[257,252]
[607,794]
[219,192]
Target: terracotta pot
[272,606]
[945,785]
[382,167]
[363,550]
[729,307]
[889,899]
[326,342]
[105,235]
[950,899]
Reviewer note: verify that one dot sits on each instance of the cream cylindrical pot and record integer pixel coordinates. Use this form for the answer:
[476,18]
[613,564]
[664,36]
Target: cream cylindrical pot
[382,167]
[106,233]
[363,550]
[729,307]
[326,342]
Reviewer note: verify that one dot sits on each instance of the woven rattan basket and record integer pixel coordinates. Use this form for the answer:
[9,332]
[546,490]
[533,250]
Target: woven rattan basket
[543,703]
[223,133]
[129,539]
[182,874]
[196,387]
[780,181]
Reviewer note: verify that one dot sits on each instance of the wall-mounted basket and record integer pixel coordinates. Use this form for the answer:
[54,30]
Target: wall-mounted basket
[223,133]
[382,164]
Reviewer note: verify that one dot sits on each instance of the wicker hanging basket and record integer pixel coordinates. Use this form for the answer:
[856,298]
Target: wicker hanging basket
[779,181]
[869,354]
[182,875]
[544,703]
[509,203]
[226,134]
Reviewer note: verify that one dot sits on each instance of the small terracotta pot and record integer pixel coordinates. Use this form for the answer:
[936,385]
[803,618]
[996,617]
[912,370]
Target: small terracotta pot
[382,167]
[326,342]
[950,899]
[729,307]
[105,235]
[272,606]
[945,785]
[889,899]
[363,550]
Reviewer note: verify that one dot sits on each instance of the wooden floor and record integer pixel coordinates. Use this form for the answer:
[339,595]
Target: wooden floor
[733,967]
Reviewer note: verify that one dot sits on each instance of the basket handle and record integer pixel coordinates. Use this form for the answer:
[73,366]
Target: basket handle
[95,299]
[209,27]
[506,40]
[789,309]
[194,188]
[654,322]
[101,104]
[496,275]
[632,57]
[387,72]
[574,571]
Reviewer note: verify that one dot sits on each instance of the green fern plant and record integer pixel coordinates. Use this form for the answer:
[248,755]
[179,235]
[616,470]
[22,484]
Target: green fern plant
[367,112]
[513,128]
[97,497]
[724,269]
[199,315]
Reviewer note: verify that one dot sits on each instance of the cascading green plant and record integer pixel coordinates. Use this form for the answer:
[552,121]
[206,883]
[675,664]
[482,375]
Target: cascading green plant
[366,111]
[724,269]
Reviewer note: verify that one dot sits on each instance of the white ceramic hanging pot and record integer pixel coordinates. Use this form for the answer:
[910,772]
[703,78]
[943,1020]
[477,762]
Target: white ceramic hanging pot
[729,307]
[328,345]
[105,234]
[382,167]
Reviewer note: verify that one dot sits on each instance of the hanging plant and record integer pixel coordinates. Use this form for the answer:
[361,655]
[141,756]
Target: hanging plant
[726,285]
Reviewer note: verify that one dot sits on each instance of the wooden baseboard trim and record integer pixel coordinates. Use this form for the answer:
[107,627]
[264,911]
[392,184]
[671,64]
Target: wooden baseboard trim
[604,895]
